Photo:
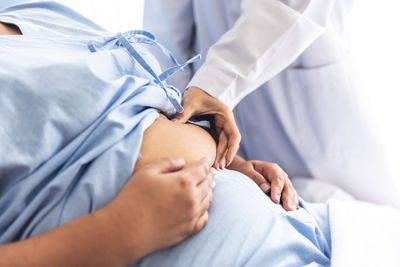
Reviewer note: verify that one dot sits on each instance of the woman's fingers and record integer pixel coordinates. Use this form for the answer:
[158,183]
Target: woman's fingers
[201,175]
[198,171]
[206,202]
[201,222]
[212,176]
[206,186]
[202,218]
[165,165]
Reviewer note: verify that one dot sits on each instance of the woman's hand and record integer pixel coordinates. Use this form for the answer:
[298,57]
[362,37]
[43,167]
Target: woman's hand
[163,203]
[271,179]
[197,102]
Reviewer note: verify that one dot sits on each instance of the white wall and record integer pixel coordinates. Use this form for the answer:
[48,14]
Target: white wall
[376,42]
[115,16]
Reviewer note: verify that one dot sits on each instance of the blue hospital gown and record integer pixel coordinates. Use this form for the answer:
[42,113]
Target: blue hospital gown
[74,104]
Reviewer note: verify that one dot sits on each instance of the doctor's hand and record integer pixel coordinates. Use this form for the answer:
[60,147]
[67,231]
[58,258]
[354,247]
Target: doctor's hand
[197,102]
[271,179]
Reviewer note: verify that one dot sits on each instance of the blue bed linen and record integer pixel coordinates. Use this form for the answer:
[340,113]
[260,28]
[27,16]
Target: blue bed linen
[246,228]
[71,119]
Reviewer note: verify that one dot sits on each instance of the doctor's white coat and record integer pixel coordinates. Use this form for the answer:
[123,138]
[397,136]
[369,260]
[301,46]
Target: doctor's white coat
[309,113]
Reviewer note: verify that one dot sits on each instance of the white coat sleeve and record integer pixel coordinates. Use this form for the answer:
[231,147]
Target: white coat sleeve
[268,36]
[172,23]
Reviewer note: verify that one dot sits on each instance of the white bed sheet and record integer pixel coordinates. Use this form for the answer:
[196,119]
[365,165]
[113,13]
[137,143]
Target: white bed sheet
[363,234]
[319,191]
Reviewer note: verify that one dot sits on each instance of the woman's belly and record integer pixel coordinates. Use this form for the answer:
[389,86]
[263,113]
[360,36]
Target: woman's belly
[8,29]
[167,139]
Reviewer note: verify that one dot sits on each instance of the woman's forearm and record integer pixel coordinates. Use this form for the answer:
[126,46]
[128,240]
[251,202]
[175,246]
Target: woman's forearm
[93,240]
[162,204]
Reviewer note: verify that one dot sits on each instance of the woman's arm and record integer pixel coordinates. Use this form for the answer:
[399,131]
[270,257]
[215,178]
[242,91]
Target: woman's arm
[92,240]
[162,204]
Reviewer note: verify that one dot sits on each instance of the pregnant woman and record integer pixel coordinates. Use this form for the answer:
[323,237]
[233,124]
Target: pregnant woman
[80,110]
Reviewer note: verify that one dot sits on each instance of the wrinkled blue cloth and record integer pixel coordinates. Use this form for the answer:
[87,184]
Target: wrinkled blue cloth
[7,3]
[72,119]
[245,228]
[74,103]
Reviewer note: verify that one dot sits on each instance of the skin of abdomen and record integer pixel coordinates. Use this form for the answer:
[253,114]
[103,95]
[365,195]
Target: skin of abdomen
[167,139]
[9,29]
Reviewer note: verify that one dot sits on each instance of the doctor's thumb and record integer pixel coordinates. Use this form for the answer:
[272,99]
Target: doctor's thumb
[184,116]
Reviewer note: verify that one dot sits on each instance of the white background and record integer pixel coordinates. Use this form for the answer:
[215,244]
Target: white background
[376,43]
[115,16]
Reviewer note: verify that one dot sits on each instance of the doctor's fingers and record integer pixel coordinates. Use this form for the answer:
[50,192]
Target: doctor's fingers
[290,199]
[277,184]
[228,145]
[225,123]
[198,102]
[260,180]
[185,115]
[220,161]
[262,183]
[195,102]
[232,132]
